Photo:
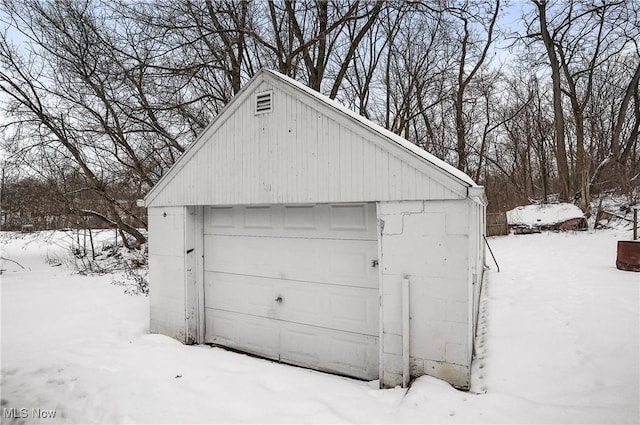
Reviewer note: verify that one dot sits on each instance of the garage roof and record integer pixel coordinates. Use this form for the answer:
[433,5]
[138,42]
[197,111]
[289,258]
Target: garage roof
[278,141]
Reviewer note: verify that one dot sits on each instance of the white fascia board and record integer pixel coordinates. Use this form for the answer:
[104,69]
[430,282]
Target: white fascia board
[478,194]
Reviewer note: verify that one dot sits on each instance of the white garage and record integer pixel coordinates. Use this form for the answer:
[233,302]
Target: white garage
[298,231]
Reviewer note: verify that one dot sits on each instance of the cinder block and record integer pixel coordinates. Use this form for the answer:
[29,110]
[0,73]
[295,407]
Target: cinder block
[446,206]
[457,224]
[446,256]
[457,311]
[412,263]
[434,308]
[408,244]
[391,303]
[428,340]
[416,366]
[433,256]
[425,224]
[400,207]
[392,225]
[409,263]
[459,333]
[447,288]
[458,376]
[457,354]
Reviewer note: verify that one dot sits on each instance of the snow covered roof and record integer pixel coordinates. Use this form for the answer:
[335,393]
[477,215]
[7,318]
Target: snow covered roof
[543,214]
[389,134]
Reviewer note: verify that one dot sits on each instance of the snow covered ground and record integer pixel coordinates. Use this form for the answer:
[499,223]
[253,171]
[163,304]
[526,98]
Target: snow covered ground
[558,343]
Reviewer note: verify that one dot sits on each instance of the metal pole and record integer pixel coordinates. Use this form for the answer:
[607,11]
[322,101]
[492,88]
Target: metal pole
[635,224]
[491,251]
[405,333]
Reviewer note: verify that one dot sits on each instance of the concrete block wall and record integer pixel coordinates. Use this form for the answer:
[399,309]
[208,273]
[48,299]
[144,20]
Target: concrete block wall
[167,271]
[478,252]
[429,243]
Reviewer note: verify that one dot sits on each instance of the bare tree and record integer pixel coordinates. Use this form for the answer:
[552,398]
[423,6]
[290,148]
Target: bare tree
[559,123]
[579,40]
[63,76]
[116,91]
[473,54]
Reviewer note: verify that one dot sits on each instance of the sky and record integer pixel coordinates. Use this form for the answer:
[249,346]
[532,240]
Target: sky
[501,53]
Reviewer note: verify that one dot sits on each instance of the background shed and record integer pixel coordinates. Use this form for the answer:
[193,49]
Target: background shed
[288,228]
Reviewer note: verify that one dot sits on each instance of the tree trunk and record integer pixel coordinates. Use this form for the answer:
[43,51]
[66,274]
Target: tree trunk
[558,116]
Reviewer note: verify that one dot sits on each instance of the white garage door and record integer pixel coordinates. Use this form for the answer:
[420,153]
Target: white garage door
[297,284]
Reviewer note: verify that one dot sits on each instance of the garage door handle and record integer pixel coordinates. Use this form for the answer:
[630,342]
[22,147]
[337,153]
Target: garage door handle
[374,263]
[279,299]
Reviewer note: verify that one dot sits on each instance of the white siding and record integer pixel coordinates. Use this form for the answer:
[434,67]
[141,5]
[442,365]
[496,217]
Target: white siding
[302,152]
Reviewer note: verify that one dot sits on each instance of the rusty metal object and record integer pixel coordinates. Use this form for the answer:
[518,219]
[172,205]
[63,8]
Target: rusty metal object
[628,256]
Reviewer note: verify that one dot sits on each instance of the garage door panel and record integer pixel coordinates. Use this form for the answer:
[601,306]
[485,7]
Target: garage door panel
[352,263]
[256,257]
[240,294]
[351,221]
[300,259]
[300,218]
[220,217]
[258,218]
[355,312]
[231,254]
[349,217]
[335,307]
[325,260]
[330,350]
[301,345]
[329,306]
[324,349]
[354,356]
[256,335]
[301,303]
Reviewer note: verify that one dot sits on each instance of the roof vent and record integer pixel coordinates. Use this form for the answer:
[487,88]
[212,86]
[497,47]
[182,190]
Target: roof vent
[264,102]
